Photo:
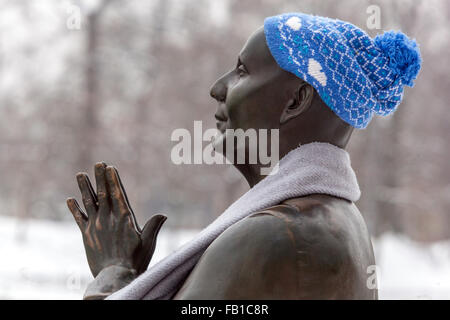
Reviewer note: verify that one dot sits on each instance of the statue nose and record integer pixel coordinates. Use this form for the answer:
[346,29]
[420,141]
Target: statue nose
[218,91]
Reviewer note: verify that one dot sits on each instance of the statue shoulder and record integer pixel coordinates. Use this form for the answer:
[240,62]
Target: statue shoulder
[284,252]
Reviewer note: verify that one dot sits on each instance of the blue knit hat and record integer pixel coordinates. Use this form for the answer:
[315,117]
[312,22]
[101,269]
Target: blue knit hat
[354,74]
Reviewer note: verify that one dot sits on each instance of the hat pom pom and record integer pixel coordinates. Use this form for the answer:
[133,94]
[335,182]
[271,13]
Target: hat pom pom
[403,53]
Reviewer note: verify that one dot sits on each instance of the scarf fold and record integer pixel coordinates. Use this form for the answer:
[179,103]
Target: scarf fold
[314,168]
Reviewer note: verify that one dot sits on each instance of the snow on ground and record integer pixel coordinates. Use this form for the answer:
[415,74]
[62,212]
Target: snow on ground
[412,270]
[45,260]
[49,262]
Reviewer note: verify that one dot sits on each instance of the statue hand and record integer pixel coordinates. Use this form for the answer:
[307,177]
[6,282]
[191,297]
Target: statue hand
[110,231]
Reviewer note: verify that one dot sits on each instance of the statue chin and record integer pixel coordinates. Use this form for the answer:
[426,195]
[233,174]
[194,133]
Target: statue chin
[219,145]
[234,150]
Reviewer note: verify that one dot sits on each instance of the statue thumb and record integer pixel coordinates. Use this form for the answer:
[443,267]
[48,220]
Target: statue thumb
[150,233]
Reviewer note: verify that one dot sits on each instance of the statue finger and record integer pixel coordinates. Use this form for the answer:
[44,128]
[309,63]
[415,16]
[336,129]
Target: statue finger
[87,193]
[80,217]
[102,193]
[149,236]
[118,200]
[136,226]
[151,228]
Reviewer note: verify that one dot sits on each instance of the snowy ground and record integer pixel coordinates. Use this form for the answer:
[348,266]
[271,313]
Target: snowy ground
[49,262]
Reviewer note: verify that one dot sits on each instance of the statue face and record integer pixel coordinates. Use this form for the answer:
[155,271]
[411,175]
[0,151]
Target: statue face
[252,95]
[258,94]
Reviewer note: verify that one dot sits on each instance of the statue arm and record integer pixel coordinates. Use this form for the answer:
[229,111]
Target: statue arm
[108,281]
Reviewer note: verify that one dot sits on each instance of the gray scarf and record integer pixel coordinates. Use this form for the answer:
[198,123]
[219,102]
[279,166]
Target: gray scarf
[314,168]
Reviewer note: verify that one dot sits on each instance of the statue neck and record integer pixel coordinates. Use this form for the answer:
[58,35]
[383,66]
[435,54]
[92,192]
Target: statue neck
[251,173]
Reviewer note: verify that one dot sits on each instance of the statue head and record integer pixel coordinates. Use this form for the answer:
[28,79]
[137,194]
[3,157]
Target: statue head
[315,79]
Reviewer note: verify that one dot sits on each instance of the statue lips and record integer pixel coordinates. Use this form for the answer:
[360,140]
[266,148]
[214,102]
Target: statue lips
[221,121]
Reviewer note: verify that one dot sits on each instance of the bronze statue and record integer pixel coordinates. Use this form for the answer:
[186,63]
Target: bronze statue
[112,238]
[311,247]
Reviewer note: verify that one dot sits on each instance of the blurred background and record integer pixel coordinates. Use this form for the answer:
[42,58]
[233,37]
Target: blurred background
[85,81]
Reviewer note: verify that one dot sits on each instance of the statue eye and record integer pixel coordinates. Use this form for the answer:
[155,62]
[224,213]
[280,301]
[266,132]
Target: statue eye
[242,70]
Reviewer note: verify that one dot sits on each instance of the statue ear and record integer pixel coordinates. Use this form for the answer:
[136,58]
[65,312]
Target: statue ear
[300,102]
